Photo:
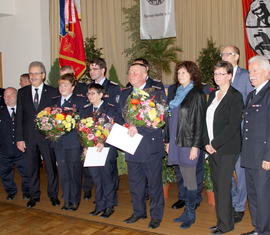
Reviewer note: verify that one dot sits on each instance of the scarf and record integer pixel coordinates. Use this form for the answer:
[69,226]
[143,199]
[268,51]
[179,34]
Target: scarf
[180,95]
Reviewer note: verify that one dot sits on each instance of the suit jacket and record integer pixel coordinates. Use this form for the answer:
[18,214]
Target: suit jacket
[226,125]
[242,83]
[256,131]
[152,82]
[26,128]
[7,134]
[151,145]
[2,102]
[69,140]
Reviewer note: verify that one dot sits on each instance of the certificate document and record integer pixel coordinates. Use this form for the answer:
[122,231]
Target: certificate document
[94,158]
[119,138]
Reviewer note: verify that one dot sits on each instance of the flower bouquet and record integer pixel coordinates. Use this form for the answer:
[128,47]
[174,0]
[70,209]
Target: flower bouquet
[92,130]
[53,122]
[145,108]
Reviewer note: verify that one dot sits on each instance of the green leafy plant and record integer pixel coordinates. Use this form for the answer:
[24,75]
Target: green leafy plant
[207,176]
[113,76]
[209,56]
[168,174]
[53,75]
[121,163]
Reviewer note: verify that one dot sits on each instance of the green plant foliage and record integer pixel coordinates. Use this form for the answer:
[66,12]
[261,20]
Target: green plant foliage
[209,56]
[158,52]
[113,76]
[53,75]
[207,176]
[91,52]
[168,174]
[121,163]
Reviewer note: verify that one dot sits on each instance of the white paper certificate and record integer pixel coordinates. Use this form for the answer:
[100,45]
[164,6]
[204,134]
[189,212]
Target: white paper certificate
[119,138]
[94,158]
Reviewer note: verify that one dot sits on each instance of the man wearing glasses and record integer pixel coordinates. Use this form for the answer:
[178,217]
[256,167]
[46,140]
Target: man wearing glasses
[30,101]
[241,82]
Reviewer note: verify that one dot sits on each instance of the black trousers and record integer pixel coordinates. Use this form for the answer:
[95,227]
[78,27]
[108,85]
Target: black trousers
[258,190]
[33,151]
[222,168]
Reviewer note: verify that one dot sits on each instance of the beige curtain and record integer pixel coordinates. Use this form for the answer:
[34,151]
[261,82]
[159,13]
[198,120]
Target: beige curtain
[196,20]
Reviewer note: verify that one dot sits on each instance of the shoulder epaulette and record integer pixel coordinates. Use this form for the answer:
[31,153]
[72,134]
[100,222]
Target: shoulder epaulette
[112,105]
[87,105]
[114,83]
[80,95]
[156,80]
[156,87]
[58,96]
[126,88]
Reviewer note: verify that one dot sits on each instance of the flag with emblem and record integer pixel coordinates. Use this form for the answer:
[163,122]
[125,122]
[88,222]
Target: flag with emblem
[71,42]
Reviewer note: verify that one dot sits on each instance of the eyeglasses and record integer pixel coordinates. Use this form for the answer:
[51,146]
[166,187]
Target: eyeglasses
[227,54]
[36,74]
[219,74]
[91,93]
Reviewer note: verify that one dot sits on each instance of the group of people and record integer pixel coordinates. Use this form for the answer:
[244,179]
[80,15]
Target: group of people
[235,140]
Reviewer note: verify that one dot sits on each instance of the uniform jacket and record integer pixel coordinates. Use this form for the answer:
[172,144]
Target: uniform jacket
[191,120]
[256,131]
[226,125]
[151,145]
[7,134]
[26,128]
[242,83]
[69,140]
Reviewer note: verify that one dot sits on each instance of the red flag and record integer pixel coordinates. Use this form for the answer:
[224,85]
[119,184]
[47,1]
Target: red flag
[71,42]
[256,28]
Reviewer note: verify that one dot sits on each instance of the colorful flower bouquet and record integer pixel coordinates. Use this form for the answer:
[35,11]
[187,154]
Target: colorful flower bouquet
[145,108]
[92,130]
[53,122]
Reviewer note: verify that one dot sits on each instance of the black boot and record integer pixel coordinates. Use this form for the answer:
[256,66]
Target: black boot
[190,207]
[183,216]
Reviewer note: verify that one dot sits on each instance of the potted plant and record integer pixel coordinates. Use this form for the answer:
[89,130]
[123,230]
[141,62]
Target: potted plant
[208,182]
[168,175]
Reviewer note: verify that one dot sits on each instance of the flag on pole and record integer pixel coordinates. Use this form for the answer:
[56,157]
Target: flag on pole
[71,42]
[256,28]
[157,19]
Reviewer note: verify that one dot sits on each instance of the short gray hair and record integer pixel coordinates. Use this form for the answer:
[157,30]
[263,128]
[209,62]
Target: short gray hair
[263,61]
[39,64]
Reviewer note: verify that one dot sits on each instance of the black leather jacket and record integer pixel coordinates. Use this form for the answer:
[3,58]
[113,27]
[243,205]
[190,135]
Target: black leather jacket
[191,119]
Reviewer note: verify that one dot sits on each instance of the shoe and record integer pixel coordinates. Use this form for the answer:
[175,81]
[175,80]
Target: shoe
[10,197]
[217,231]
[26,196]
[95,213]
[107,213]
[32,202]
[213,227]
[154,223]
[197,205]
[238,216]
[87,195]
[134,219]
[179,204]
[250,233]
[73,207]
[65,207]
[55,201]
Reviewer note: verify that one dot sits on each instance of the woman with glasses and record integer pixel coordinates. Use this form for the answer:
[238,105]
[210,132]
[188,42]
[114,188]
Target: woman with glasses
[222,140]
[68,149]
[105,177]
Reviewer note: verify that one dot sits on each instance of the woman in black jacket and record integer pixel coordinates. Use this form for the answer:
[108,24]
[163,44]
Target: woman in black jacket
[184,142]
[222,140]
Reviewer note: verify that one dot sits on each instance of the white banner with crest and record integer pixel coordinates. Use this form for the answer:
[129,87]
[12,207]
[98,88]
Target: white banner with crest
[157,19]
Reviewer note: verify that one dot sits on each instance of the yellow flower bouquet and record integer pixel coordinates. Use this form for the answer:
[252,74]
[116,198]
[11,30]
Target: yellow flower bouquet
[53,122]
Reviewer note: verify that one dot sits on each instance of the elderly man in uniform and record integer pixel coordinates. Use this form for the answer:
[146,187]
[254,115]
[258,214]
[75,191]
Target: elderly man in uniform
[146,163]
[10,155]
[256,145]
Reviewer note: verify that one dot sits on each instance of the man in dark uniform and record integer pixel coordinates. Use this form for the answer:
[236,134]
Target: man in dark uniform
[9,153]
[31,100]
[256,148]
[146,163]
